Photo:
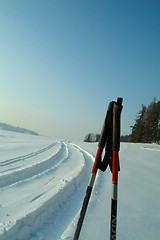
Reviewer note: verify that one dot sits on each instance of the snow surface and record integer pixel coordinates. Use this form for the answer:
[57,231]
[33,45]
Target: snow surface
[43,182]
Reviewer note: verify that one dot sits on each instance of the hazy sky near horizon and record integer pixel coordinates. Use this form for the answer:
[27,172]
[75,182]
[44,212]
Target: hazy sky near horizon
[63,61]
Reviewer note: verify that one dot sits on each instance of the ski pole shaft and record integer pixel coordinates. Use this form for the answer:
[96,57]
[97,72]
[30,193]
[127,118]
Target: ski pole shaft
[101,145]
[114,196]
[88,194]
[117,108]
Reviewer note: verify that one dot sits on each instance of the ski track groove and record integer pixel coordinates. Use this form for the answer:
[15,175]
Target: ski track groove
[23,157]
[54,203]
[36,170]
[21,160]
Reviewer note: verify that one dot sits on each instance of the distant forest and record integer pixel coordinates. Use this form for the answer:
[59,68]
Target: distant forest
[147,125]
[146,128]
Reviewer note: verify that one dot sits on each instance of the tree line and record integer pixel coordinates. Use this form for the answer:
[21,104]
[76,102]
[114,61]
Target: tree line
[147,125]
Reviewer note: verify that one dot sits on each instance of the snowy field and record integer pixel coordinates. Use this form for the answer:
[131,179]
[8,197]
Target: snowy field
[43,182]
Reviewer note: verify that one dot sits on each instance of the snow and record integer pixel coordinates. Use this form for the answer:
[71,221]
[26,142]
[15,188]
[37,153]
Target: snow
[43,182]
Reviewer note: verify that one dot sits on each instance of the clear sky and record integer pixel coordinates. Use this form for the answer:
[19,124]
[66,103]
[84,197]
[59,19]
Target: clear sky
[63,61]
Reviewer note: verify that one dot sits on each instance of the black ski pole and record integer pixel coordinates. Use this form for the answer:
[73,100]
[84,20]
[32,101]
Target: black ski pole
[117,108]
[101,145]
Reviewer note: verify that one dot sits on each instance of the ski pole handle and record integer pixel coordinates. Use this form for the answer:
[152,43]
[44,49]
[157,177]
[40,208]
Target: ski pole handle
[106,126]
[106,131]
[117,108]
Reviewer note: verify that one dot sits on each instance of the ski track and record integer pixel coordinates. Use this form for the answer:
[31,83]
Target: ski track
[57,184]
[35,169]
[151,149]
[22,158]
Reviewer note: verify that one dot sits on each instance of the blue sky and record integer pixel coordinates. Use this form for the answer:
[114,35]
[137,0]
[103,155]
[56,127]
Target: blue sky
[63,61]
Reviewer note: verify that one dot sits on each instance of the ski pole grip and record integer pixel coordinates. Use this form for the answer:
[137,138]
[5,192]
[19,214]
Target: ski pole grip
[106,126]
[117,108]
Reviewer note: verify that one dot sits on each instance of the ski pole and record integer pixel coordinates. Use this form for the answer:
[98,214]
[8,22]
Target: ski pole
[101,145]
[117,108]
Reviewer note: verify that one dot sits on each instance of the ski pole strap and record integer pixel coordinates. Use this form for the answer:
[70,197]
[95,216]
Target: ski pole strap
[110,135]
[105,133]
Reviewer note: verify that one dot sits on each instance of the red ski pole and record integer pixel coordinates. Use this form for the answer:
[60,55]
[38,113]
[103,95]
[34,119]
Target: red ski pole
[101,144]
[117,108]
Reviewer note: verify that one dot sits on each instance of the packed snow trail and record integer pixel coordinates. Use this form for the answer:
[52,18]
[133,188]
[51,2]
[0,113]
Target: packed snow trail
[43,183]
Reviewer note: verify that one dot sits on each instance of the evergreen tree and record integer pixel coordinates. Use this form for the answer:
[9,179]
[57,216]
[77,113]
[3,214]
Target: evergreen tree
[139,128]
[147,125]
